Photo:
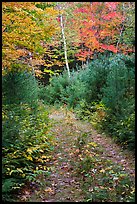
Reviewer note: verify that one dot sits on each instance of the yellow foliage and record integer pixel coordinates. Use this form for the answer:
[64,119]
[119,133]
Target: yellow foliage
[102,171]
[23,29]
[23,175]
[11,172]
[40,160]
[29,158]
[29,150]
[44,157]
[92,144]
[19,170]
[45,168]
[41,150]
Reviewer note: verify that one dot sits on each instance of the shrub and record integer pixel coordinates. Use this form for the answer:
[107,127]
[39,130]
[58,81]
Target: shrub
[95,77]
[26,146]
[19,87]
[124,131]
[53,92]
[75,92]
[110,86]
[64,90]
[95,112]
[118,97]
[26,143]
[119,84]
[42,93]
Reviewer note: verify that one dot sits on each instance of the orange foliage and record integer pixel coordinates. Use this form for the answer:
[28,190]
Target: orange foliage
[100,25]
[23,27]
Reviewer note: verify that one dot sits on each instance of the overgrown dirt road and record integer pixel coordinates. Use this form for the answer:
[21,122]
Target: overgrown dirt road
[64,185]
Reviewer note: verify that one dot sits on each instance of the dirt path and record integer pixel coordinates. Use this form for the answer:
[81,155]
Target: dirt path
[62,185]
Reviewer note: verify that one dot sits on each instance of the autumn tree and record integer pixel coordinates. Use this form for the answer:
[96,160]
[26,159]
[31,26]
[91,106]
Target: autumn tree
[32,32]
[25,27]
[89,29]
[126,40]
[97,33]
[69,38]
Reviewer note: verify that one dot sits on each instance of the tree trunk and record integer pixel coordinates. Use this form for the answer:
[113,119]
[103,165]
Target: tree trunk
[65,47]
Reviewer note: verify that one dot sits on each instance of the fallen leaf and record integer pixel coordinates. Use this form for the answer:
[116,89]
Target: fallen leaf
[102,171]
[49,190]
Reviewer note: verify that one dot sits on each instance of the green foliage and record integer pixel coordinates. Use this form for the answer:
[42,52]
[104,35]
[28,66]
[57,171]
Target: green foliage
[118,96]
[129,25]
[53,92]
[94,112]
[83,111]
[44,5]
[42,93]
[19,87]
[102,93]
[121,129]
[95,78]
[73,93]
[109,106]
[119,83]
[26,145]
[64,90]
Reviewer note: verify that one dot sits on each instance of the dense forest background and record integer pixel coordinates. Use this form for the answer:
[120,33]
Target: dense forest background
[81,54]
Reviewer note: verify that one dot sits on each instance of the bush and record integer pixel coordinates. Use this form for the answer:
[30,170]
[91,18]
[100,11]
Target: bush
[42,92]
[26,143]
[53,92]
[64,90]
[119,84]
[121,129]
[75,92]
[109,100]
[94,112]
[95,77]
[19,87]
[26,146]
[118,97]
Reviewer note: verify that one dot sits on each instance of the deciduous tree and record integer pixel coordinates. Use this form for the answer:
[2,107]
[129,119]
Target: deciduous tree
[24,29]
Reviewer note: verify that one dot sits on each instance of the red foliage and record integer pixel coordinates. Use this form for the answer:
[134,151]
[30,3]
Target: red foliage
[58,19]
[110,16]
[109,47]
[99,27]
[81,10]
[112,5]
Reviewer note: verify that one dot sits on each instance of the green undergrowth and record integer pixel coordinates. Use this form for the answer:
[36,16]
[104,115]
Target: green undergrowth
[26,141]
[101,179]
[103,93]
[26,147]
[120,127]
